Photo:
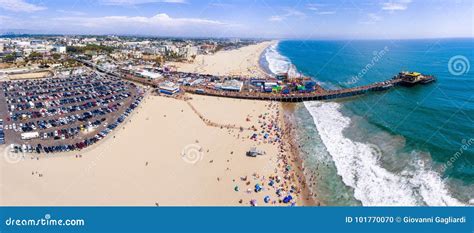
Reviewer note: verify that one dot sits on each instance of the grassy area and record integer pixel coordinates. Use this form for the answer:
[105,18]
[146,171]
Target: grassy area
[89,48]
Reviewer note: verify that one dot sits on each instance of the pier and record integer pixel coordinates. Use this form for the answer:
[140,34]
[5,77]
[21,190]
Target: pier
[318,94]
[407,79]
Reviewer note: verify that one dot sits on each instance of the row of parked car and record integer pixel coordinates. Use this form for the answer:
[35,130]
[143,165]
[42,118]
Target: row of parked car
[99,89]
[39,148]
[38,96]
[2,134]
[66,120]
[25,90]
[84,103]
[71,132]
[51,85]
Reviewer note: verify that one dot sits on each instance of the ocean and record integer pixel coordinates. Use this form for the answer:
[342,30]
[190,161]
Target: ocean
[403,147]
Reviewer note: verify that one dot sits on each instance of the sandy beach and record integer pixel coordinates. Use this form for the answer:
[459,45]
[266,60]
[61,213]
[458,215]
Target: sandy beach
[166,155]
[242,62]
[171,152]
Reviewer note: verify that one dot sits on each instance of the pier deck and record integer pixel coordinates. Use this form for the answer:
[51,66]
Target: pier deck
[319,94]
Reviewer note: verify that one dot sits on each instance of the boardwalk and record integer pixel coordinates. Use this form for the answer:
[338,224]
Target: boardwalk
[318,94]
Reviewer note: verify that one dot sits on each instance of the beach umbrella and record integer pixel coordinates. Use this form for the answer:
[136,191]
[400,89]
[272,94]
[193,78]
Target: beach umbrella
[236,188]
[287,199]
[266,199]
[271,182]
[253,202]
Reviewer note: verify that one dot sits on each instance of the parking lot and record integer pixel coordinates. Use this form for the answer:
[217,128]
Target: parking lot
[2,134]
[64,113]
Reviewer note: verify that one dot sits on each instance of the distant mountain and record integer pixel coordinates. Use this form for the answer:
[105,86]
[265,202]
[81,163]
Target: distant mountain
[15,32]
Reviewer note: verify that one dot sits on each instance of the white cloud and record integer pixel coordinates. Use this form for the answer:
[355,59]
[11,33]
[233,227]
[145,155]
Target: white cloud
[20,6]
[157,20]
[371,18]
[289,13]
[137,2]
[77,13]
[3,17]
[276,18]
[293,12]
[160,24]
[315,6]
[374,17]
[219,4]
[326,13]
[320,9]
[399,5]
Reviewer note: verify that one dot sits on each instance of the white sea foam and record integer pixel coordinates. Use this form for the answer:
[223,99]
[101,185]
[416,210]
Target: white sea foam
[277,63]
[357,164]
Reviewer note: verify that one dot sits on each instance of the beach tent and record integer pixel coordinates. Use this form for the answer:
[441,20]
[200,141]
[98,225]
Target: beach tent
[253,202]
[287,199]
[266,199]
[271,183]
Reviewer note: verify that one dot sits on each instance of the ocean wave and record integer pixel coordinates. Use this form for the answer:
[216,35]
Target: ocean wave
[358,165]
[277,63]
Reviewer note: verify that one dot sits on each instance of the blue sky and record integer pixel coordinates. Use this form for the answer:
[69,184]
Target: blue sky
[337,19]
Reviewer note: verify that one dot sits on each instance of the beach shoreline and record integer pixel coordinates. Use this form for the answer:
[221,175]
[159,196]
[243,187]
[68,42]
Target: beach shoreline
[290,139]
[117,170]
[243,62]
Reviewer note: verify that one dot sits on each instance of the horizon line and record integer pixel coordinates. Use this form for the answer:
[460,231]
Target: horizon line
[7,34]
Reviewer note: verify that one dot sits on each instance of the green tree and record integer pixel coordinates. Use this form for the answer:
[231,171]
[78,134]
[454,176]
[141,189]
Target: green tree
[35,56]
[9,58]
[56,56]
